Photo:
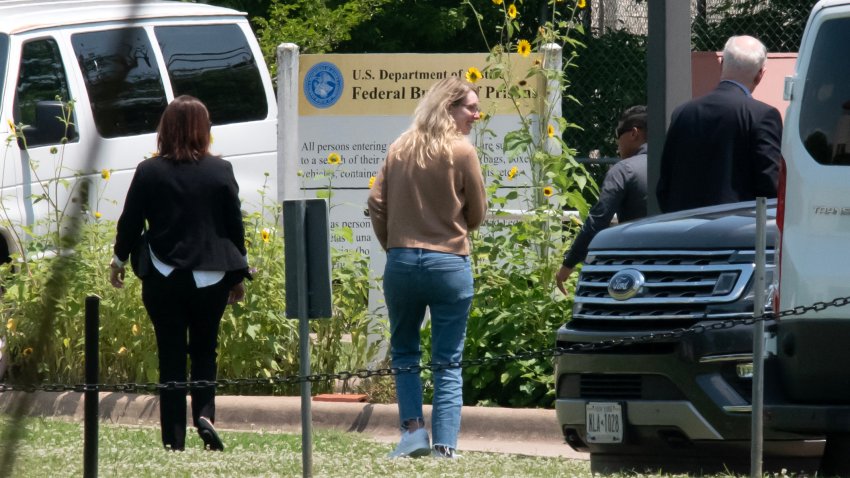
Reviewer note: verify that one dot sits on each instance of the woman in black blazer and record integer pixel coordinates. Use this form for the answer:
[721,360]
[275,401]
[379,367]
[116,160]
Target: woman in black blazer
[190,202]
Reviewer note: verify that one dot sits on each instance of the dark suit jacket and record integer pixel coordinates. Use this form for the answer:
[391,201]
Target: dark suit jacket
[720,148]
[193,213]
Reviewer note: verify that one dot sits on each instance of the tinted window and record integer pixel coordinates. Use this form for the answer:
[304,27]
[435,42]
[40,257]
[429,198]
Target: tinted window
[4,58]
[825,108]
[214,64]
[122,79]
[41,79]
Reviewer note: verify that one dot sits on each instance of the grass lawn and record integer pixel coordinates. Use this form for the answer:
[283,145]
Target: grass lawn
[54,448]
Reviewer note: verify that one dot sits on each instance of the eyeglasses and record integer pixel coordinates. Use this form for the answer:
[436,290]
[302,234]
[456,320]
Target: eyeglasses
[473,108]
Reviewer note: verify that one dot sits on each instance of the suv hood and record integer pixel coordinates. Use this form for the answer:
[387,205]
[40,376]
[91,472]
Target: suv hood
[724,226]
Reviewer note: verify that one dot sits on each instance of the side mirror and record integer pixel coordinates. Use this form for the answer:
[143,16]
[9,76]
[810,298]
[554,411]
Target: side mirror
[49,127]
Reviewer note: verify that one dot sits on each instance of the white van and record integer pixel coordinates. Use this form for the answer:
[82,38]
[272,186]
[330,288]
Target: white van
[813,216]
[119,63]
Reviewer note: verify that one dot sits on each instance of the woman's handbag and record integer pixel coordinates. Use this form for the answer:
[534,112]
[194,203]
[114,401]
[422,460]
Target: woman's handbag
[140,257]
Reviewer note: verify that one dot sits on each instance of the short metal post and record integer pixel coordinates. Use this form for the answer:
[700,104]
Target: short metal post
[91,396]
[756,440]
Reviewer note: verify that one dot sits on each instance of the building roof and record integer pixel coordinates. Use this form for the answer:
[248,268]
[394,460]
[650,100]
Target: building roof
[18,16]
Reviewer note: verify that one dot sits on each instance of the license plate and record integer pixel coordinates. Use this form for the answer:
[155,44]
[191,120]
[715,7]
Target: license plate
[604,422]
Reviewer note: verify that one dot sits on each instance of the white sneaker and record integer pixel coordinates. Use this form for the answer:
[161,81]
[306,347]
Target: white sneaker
[413,444]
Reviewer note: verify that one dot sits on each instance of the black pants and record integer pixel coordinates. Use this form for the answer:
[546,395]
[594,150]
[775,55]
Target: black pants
[176,307]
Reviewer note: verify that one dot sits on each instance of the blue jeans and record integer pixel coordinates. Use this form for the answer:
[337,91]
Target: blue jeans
[413,280]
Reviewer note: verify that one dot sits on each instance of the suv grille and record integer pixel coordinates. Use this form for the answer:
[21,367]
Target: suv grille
[676,284]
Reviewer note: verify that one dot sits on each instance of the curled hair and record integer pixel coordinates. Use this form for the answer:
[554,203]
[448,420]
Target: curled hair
[743,58]
[433,130]
[183,133]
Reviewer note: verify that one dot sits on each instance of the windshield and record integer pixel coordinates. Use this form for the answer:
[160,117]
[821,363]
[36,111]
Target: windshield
[4,56]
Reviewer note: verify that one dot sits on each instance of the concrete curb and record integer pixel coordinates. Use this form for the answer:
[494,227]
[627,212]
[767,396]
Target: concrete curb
[507,430]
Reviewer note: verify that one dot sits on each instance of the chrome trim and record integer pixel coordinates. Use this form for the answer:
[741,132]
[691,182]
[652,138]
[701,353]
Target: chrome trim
[745,272]
[704,283]
[726,358]
[621,252]
[738,408]
[728,315]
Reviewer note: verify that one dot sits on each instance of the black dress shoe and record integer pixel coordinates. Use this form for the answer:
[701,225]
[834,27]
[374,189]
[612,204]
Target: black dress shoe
[207,432]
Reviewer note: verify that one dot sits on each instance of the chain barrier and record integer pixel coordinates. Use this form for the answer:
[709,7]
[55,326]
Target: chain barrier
[344,375]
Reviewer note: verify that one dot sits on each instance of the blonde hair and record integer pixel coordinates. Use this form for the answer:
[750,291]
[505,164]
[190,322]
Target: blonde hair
[433,130]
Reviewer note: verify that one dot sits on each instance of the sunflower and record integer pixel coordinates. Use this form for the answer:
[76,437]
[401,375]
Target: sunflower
[550,130]
[497,2]
[512,173]
[371,182]
[105,173]
[548,191]
[523,48]
[581,3]
[97,215]
[265,234]
[26,352]
[512,11]
[473,74]
[334,159]
[482,115]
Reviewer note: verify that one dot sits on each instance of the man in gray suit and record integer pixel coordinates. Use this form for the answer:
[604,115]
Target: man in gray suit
[725,146]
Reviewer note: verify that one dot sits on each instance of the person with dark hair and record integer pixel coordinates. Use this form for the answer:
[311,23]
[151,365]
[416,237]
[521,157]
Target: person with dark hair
[623,190]
[190,202]
[428,195]
[723,147]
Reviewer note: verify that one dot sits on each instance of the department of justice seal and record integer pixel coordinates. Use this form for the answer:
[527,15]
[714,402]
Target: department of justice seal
[323,85]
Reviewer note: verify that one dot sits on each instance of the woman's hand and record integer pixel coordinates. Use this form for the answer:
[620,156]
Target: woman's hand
[237,293]
[116,275]
[562,276]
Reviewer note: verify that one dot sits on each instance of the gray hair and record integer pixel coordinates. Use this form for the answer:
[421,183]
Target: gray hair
[743,58]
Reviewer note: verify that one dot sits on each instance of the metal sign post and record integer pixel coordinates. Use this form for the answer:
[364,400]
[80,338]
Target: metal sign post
[308,292]
[756,440]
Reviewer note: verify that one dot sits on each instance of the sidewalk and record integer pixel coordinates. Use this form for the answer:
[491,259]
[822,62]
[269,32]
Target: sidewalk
[503,430]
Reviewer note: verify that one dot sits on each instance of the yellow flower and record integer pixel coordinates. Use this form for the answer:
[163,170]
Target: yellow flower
[97,215]
[550,130]
[26,352]
[512,11]
[122,351]
[482,115]
[334,158]
[473,74]
[497,2]
[265,234]
[548,191]
[11,126]
[136,329]
[523,48]
[512,173]
[105,173]
[581,3]
[11,325]
[372,182]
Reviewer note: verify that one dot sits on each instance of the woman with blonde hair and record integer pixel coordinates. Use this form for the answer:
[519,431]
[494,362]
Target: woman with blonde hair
[428,195]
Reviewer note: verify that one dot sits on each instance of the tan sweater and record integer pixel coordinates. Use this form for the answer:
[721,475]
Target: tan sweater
[430,208]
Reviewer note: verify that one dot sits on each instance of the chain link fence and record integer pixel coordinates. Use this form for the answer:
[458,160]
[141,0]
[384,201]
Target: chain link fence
[611,73]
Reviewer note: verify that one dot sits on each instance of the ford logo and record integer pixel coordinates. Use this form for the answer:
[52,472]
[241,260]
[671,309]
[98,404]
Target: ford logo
[625,284]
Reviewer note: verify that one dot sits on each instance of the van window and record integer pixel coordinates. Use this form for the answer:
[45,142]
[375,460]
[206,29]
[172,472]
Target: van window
[214,63]
[4,58]
[41,78]
[122,79]
[825,106]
